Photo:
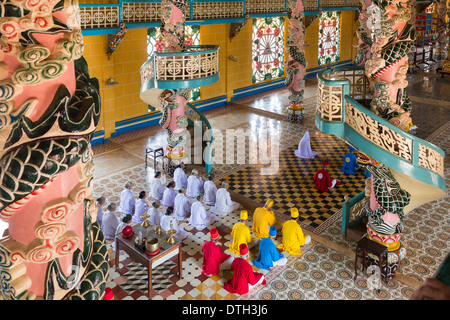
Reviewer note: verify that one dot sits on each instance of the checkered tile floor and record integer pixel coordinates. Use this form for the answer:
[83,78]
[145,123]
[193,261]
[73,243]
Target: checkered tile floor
[293,185]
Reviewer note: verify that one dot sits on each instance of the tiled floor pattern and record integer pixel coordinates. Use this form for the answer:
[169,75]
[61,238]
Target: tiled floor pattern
[321,272]
[292,185]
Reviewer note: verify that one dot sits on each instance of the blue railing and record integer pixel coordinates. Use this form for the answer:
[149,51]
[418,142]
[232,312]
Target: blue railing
[340,114]
[106,18]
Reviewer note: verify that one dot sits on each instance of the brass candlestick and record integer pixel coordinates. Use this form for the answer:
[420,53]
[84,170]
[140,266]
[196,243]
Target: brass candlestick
[145,224]
[171,232]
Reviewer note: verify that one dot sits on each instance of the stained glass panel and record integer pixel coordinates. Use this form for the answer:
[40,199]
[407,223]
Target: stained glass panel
[329,37]
[267,48]
[155,43]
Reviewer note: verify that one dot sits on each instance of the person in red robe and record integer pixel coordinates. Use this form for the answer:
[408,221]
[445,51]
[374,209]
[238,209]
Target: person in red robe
[214,259]
[322,179]
[244,278]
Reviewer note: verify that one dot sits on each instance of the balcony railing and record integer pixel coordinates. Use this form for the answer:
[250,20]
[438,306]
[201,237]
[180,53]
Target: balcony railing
[147,13]
[340,113]
[197,66]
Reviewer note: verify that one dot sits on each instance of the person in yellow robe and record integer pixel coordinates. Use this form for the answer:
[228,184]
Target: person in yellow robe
[241,234]
[292,235]
[263,218]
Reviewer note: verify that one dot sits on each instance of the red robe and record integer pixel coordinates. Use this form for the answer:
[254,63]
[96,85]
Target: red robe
[243,275]
[212,258]
[322,184]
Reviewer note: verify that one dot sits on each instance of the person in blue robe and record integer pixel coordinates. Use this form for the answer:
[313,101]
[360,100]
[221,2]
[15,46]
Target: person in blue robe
[350,164]
[269,256]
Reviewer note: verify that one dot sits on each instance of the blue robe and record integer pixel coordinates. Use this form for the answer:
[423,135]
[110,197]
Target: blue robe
[268,253]
[350,164]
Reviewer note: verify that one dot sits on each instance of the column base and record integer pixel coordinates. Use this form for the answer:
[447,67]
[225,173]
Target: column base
[295,112]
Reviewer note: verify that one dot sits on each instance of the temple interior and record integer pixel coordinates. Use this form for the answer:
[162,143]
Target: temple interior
[248,92]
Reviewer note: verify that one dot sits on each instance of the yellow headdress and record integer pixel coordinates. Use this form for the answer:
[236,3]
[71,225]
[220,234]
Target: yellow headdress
[269,203]
[294,212]
[244,215]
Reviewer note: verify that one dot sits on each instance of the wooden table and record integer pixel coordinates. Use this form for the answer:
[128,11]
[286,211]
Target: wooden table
[365,246]
[166,252]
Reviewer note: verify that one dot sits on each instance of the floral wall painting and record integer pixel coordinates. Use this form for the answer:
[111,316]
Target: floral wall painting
[329,37]
[267,48]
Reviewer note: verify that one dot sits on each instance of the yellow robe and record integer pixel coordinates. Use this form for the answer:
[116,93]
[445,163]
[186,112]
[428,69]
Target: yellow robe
[240,234]
[262,220]
[292,238]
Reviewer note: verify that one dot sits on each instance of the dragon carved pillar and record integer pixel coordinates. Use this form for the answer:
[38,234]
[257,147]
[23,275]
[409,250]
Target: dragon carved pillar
[385,213]
[296,63]
[363,33]
[393,37]
[442,41]
[49,109]
[173,101]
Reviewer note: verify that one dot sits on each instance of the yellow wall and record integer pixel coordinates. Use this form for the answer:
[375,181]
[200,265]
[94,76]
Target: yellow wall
[121,102]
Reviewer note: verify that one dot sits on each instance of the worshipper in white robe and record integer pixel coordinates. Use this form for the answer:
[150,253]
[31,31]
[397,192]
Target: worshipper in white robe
[157,186]
[194,184]
[168,219]
[304,148]
[210,191]
[141,207]
[155,215]
[169,195]
[224,204]
[127,201]
[100,202]
[125,221]
[200,218]
[110,222]
[180,177]
[182,205]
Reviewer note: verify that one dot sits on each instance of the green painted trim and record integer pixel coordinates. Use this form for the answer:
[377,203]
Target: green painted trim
[346,206]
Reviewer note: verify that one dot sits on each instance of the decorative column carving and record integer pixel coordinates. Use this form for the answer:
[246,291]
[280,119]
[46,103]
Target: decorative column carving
[364,34]
[49,109]
[385,213]
[296,63]
[173,101]
[392,36]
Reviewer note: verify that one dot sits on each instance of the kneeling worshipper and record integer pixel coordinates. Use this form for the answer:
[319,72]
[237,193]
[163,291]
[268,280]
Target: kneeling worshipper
[155,215]
[224,204]
[214,260]
[182,205]
[110,222]
[194,184]
[168,220]
[127,201]
[241,234]
[125,221]
[210,190]
[322,179]
[141,207]
[269,256]
[180,177]
[263,219]
[292,237]
[169,195]
[350,163]
[100,202]
[156,186]
[244,278]
[304,148]
[200,218]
